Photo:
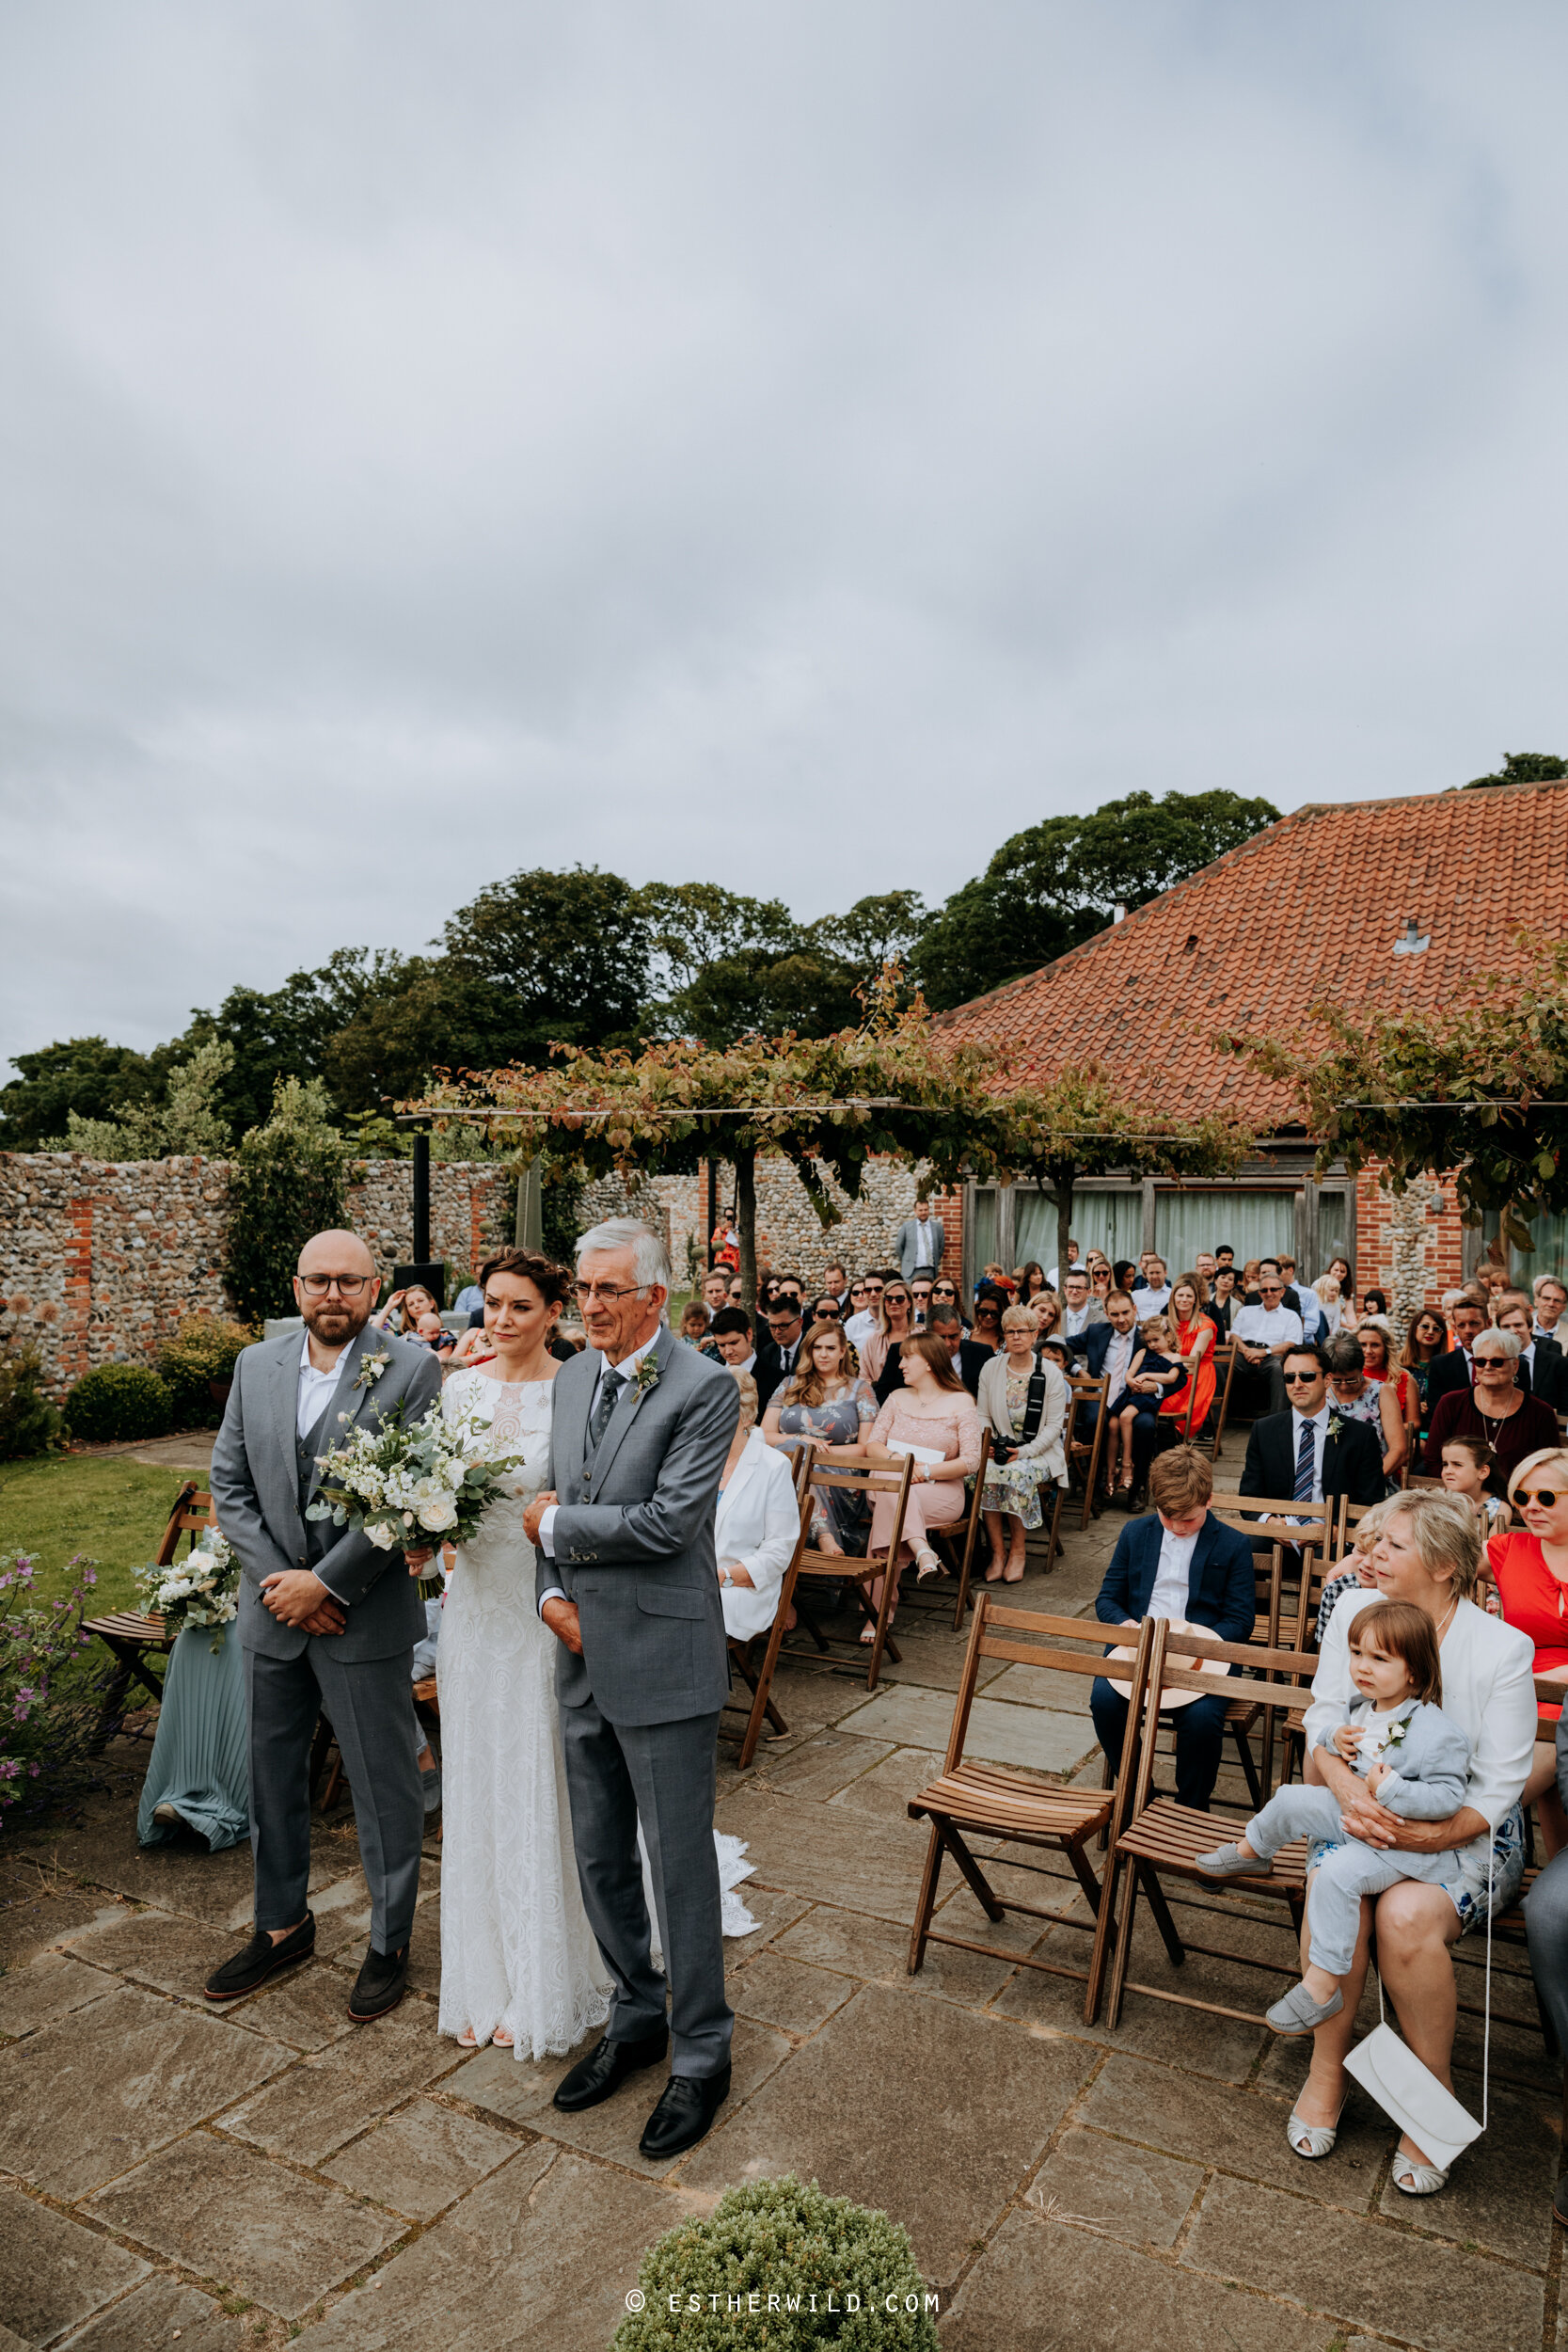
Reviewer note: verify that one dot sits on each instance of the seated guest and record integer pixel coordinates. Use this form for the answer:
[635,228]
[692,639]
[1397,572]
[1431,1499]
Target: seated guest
[1205,1267]
[1491,1278]
[969,1358]
[755,1526]
[945,1293]
[1541,1362]
[1105,1351]
[694,1321]
[1325,1290]
[1426,1341]
[986,1332]
[1551,1297]
[1151,1295]
[1048,1307]
[1126,1273]
[931,1418]
[1192,1332]
[867,1310]
[1496,1409]
[831,1407]
[1225,1257]
[716,1289]
[1080,1307]
[1298,1455]
[1374,1302]
[1058,1274]
[1183,1564]
[776,1354]
[1262,1334]
[1360,1385]
[1455,1371]
[1301,1298]
[1468,1467]
[470,1301]
[1022,1399]
[921,1286]
[825,1309]
[1028,1282]
[1153,1376]
[430,1331]
[1530,1573]
[730,1335]
[836,1284]
[1103,1280]
[402,1310]
[1222,1301]
[880,1356]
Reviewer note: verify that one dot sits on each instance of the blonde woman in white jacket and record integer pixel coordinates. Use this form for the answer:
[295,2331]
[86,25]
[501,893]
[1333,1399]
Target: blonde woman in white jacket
[1428,1551]
[757,1523]
[1036,1456]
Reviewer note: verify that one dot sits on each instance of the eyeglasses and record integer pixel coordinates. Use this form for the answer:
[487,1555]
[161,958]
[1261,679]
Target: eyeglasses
[1300,1379]
[587,1292]
[1545,1495]
[317,1285]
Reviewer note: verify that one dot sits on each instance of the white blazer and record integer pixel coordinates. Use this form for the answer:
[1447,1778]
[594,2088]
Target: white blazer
[1488,1688]
[757,1526]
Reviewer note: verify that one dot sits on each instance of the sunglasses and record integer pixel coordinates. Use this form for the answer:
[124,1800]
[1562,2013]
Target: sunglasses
[1545,1495]
[1299,1379]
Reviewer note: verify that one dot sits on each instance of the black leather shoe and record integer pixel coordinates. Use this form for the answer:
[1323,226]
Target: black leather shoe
[261,1959]
[379,1986]
[685,2113]
[605,2069]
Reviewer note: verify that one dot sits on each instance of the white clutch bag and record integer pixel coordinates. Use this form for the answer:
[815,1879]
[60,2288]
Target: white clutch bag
[1390,2072]
[927,1453]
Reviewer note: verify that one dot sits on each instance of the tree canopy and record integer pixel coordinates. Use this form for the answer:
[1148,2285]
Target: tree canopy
[1477,1087]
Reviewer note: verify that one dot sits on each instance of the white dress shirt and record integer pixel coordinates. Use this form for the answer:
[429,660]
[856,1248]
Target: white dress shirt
[860,1327]
[1174,1575]
[627,1366]
[1320,1438]
[1075,1319]
[925,1242]
[1265,1326]
[1151,1299]
[315,1388]
[1118,1357]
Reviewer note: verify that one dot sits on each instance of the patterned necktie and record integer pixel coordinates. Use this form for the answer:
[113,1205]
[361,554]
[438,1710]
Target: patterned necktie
[1301,1490]
[604,1405]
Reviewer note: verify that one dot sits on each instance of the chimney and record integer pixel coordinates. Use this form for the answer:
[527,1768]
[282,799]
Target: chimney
[1118,913]
[1412,941]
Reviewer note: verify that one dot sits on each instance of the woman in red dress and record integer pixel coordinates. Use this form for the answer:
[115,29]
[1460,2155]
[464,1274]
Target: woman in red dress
[1530,1573]
[1193,1340]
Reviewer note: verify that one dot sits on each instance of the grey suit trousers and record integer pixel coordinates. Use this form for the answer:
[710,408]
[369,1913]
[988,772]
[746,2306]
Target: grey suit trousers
[666,1773]
[369,1706]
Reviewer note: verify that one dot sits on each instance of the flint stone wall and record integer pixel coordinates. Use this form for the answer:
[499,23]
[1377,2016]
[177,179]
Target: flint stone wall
[99,1260]
[791,1237]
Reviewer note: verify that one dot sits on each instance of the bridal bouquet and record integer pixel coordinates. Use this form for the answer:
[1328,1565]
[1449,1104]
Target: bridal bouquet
[404,1482]
[201,1590]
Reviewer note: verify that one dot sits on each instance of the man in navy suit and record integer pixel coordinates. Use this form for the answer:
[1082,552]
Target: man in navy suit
[1180,1562]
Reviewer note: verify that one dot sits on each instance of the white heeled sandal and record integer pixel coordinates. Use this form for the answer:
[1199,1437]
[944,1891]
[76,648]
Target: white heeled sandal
[1312,2140]
[1419,2180]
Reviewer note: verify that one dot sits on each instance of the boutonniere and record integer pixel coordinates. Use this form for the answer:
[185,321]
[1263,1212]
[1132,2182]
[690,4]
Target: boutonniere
[645,1378]
[1395,1736]
[1336,1425]
[372,1370]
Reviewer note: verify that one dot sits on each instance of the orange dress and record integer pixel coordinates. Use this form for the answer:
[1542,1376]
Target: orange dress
[1202,1380]
[1532,1600]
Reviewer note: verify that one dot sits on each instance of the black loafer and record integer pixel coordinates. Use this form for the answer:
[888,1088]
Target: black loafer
[685,2113]
[261,1959]
[605,2069]
[379,1986]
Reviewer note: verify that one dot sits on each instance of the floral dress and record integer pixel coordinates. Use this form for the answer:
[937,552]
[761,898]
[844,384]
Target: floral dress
[1015,1486]
[841,1420]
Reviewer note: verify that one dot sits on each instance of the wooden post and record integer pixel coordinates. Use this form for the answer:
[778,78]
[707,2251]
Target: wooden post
[746,1220]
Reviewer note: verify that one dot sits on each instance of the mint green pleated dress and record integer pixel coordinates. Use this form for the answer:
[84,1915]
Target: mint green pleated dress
[200,1760]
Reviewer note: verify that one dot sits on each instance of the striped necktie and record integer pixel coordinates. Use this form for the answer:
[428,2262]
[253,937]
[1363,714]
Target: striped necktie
[1301,1490]
[604,1405]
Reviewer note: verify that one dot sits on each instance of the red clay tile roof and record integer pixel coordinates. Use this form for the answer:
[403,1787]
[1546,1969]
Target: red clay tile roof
[1305,913]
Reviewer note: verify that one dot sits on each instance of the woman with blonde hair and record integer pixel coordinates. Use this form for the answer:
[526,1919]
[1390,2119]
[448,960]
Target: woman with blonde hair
[933,1418]
[879,1355]
[828,1405]
[1024,1398]
[1528,1567]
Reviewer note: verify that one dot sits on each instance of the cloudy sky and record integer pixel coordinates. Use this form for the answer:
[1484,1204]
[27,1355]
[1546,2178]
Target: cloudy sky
[796,444]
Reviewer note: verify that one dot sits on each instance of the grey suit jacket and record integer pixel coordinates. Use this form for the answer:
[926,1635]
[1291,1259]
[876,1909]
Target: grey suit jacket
[1430,1765]
[633,1537]
[256,1495]
[906,1247]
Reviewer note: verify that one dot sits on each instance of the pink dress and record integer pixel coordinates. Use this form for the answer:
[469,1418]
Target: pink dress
[956,1429]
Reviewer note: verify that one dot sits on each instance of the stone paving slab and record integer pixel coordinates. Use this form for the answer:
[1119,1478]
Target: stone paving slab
[789,1994]
[53,2272]
[931,2111]
[1027,1736]
[334,2094]
[830,1856]
[822,1765]
[1501,2192]
[229,2214]
[1213,2123]
[421,2159]
[151,2318]
[306,2008]
[52,1986]
[1401,2284]
[887,1787]
[1041,2286]
[499,2083]
[1105,2184]
[1184,2037]
[91,2095]
[877,1950]
[171,1954]
[523,2261]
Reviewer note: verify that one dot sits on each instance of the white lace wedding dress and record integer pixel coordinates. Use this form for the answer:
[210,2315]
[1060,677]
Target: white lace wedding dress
[516,1949]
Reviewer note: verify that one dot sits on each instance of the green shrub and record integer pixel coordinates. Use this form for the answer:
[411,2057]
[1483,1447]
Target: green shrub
[789,2248]
[118,1401]
[285,1183]
[28,1422]
[52,1679]
[204,1350]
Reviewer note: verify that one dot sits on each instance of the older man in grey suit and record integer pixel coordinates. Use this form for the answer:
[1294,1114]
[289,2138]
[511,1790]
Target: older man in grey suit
[628,1584]
[327,1623]
[921,1242]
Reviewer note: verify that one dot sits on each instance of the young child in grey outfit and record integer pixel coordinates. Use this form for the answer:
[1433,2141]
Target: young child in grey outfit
[1413,1758]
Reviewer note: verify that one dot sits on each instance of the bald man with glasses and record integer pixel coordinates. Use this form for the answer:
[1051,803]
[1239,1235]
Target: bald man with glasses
[1262,1335]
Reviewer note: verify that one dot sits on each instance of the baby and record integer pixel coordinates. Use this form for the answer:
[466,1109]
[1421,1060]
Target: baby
[432,1332]
[1150,1377]
[1413,1758]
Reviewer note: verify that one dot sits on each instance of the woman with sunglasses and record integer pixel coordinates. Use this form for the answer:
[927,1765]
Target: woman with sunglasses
[1530,1575]
[945,1294]
[1426,1340]
[1494,1407]
[880,1356]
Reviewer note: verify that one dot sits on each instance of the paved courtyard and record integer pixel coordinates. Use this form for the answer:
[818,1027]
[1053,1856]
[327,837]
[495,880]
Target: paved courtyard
[272,2173]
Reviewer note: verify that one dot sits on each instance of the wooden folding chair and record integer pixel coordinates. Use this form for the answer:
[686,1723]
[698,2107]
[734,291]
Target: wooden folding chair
[821,1567]
[759,1678]
[1350,1515]
[1225,1373]
[974,1799]
[957,1542]
[1298,1536]
[1084,1454]
[1154,1837]
[131,1635]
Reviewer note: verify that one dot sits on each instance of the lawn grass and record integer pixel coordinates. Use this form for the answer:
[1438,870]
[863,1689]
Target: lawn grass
[107,1506]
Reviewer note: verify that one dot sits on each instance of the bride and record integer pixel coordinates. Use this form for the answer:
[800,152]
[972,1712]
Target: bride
[519,1965]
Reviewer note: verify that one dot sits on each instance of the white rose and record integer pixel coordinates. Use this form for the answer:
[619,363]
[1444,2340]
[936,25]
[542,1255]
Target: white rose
[437,1515]
[385,1539]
